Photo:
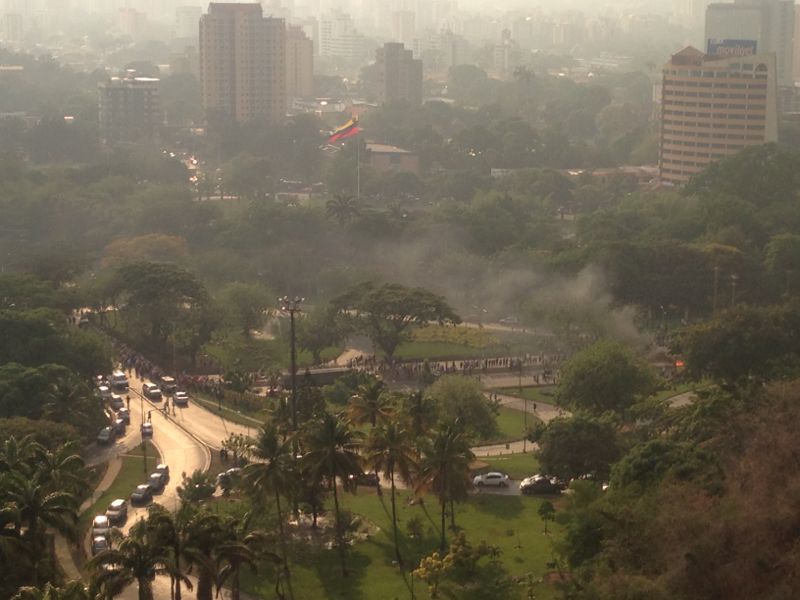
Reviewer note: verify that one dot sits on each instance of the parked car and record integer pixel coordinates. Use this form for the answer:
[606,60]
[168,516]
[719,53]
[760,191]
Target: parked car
[156,481]
[147,430]
[124,414]
[105,392]
[106,436]
[119,380]
[228,479]
[119,426]
[142,494]
[100,526]
[540,484]
[180,398]
[366,479]
[116,402]
[168,384]
[493,479]
[100,544]
[151,391]
[117,511]
[164,470]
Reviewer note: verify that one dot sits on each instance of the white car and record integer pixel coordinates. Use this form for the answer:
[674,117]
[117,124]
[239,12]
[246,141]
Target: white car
[493,478]
[180,398]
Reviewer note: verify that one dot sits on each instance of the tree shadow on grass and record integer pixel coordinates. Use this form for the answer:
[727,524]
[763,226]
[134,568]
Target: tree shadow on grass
[326,563]
[500,506]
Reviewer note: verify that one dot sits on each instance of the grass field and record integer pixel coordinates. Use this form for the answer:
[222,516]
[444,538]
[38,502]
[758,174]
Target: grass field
[242,417]
[130,475]
[511,425]
[543,393]
[509,522]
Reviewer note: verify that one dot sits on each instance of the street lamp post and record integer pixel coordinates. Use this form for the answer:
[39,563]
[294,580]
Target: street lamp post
[292,306]
[141,429]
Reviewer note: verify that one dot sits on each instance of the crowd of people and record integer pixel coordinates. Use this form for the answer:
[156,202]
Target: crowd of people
[544,366]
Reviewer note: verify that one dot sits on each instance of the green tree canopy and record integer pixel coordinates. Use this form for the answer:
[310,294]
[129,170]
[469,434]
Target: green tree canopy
[604,377]
[462,397]
[578,445]
[387,312]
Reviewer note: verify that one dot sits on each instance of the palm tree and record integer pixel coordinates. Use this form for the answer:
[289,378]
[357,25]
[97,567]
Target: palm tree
[73,590]
[169,531]
[61,469]
[204,535]
[270,474]
[244,547]
[39,507]
[342,207]
[16,455]
[135,559]
[420,411]
[390,449]
[371,403]
[332,451]
[444,468]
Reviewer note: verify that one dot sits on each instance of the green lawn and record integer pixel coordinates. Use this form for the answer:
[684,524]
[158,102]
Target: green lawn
[439,351]
[248,418]
[542,393]
[130,475]
[510,425]
[509,522]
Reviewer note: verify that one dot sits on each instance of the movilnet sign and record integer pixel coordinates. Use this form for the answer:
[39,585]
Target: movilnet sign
[731,48]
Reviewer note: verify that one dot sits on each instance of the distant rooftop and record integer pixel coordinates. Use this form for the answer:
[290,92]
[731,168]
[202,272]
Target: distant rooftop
[385,149]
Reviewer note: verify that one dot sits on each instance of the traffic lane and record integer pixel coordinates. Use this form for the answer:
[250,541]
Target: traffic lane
[207,425]
[511,490]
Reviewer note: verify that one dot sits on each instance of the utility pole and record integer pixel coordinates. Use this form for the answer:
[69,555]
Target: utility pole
[525,412]
[716,289]
[144,441]
[292,306]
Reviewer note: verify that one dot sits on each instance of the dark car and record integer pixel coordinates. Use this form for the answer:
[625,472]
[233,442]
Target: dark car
[125,415]
[142,494]
[106,436]
[540,484]
[147,430]
[119,426]
[168,384]
[156,481]
[100,544]
[365,479]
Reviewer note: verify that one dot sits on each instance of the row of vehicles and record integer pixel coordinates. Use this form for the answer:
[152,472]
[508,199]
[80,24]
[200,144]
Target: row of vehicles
[165,385]
[117,512]
[535,484]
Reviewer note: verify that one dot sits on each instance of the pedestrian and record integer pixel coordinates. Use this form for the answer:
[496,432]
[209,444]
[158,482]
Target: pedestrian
[534,407]
[128,400]
[148,415]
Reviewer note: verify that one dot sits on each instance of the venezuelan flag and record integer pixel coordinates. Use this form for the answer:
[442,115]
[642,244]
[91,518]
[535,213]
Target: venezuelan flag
[347,130]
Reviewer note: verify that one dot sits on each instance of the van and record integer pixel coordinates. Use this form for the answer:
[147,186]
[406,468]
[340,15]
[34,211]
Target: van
[151,391]
[118,380]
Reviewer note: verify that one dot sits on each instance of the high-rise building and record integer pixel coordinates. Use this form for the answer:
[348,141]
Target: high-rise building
[187,19]
[712,107]
[403,29]
[299,64]
[338,37]
[12,31]
[400,74]
[129,109]
[767,23]
[243,63]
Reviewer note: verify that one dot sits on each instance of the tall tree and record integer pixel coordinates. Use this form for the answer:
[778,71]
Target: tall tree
[371,403]
[270,475]
[136,559]
[332,452]
[244,547]
[387,312]
[342,207]
[390,449]
[444,469]
[248,305]
[605,376]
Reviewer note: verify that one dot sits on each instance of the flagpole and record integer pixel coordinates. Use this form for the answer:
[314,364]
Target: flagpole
[358,167]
